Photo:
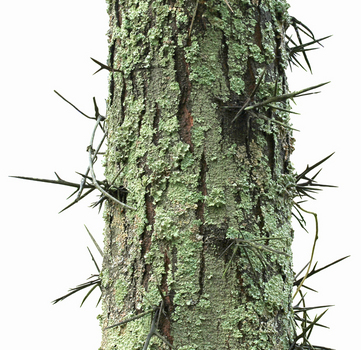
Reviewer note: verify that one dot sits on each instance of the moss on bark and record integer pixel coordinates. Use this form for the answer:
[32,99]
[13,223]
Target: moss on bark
[200,183]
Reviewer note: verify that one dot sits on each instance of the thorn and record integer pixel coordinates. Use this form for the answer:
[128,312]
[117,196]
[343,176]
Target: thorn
[251,96]
[103,66]
[73,105]
[94,241]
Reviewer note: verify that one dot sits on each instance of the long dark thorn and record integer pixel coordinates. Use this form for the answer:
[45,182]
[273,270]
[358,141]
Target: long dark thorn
[310,168]
[77,200]
[302,309]
[99,203]
[95,263]
[305,320]
[296,62]
[73,105]
[229,6]
[79,288]
[193,18]
[230,260]
[87,294]
[152,329]
[224,251]
[306,329]
[274,121]
[103,66]
[313,247]
[303,52]
[299,27]
[314,270]
[299,24]
[301,48]
[130,319]
[285,97]
[72,194]
[94,241]
[249,260]
[251,96]
[163,339]
[309,288]
[56,182]
[95,183]
[303,269]
[100,298]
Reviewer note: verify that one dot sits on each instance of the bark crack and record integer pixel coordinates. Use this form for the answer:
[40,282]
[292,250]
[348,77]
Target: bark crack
[184,111]
[146,238]
[200,216]
[165,319]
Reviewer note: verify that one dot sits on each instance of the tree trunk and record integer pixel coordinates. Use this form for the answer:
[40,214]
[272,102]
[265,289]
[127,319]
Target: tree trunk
[204,260]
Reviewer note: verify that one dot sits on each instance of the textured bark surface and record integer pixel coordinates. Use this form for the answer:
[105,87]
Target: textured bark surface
[200,183]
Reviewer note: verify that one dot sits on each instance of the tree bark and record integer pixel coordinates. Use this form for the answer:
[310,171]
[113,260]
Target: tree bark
[206,252]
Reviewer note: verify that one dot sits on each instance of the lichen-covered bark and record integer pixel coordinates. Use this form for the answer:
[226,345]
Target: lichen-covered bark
[204,187]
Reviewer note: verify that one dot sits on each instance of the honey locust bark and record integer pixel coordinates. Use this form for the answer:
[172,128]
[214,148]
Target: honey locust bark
[204,261]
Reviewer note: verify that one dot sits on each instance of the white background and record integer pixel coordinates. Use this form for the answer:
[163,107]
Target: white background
[47,45]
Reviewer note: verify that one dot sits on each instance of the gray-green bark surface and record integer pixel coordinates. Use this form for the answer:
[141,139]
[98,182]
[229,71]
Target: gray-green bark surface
[200,183]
